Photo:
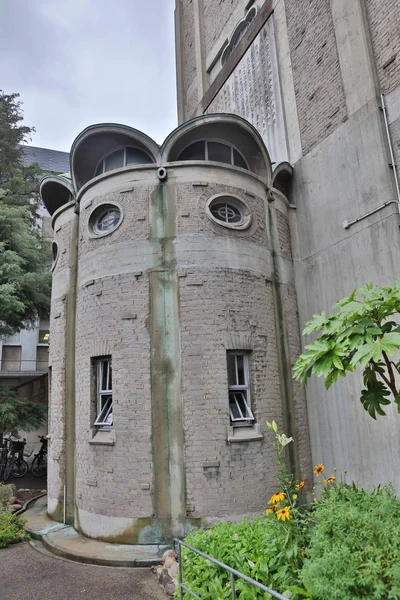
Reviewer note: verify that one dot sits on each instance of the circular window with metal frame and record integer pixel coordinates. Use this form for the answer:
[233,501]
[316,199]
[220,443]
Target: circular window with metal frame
[105,219]
[228,211]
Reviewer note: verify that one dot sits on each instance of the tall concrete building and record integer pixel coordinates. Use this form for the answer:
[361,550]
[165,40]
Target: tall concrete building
[320,81]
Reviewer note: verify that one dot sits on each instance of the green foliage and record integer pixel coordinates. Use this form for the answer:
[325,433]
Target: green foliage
[17,413]
[359,333]
[354,550]
[11,529]
[25,280]
[263,549]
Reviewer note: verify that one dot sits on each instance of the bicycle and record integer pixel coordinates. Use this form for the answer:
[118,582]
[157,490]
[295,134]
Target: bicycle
[19,465]
[5,460]
[39,463]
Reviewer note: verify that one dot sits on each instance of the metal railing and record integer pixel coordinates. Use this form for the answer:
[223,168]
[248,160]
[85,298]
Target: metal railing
[233,573]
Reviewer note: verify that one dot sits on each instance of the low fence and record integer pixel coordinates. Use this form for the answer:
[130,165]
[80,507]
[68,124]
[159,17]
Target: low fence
[233,573]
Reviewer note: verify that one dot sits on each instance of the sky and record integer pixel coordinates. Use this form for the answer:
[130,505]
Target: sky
[79,62]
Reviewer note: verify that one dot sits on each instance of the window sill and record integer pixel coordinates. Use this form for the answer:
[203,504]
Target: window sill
[103,438]
[244,434]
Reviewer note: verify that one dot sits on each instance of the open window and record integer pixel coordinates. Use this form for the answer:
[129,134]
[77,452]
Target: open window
[239,389]
[104,392]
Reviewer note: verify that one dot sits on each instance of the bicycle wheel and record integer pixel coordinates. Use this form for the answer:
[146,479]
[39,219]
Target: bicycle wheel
[8,468]
[39,466]
[19,468]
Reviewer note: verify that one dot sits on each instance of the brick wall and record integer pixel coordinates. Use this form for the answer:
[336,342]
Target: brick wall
[188,49]
[384,22]
[316,72]
[246,471]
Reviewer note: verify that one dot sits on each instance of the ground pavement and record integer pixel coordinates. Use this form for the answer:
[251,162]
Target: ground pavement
[27,573]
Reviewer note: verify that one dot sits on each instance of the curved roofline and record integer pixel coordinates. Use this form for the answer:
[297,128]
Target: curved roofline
[61,180]
[230,117]
[152,146]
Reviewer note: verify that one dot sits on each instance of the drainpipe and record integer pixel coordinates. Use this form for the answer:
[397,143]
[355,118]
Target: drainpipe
[392,164]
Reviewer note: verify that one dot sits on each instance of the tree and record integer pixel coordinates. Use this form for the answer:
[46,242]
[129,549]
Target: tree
[362,332]
[17,413]
[25,280]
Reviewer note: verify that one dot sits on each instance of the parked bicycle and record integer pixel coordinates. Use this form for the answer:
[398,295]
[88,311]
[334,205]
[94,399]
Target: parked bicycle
[5,460]
[19,465]
[39,463]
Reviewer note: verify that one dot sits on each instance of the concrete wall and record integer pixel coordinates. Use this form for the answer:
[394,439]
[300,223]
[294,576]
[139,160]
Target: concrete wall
[335,59]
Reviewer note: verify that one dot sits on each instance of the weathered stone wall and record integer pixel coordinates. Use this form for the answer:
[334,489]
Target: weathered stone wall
[384,24]
[317,78]
[112,311]
[57,364]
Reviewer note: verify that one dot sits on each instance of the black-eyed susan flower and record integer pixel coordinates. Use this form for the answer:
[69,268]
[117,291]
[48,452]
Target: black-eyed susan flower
[318,469]
[284,514]
[278,497]
[330,479]
[269,511]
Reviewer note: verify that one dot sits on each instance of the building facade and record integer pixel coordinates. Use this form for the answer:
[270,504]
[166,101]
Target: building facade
[173,326]
[320,81]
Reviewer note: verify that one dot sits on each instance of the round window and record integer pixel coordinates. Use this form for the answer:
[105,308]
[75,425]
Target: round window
[229,212]
[105,219]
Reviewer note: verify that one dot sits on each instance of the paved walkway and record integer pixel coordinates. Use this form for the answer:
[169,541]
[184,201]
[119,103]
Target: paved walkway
[30,574]
[64,541]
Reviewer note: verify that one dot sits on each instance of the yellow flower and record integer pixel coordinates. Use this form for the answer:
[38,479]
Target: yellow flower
[299,485]
[330,479]
[294,496]
[269,511]
[318,469]
[278,497]
[345,471]
[284,514]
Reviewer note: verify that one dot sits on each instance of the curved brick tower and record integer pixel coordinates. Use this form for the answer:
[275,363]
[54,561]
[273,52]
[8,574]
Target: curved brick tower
[173,321]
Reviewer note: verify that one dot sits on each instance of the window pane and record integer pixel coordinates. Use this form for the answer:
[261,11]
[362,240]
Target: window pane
[134,156]
[44,336]
[241,400]
[227,213]
[114,160]
[231,370]
[99,169]
[233,405]
[103,374]
[195,151]
[240,370]
[108,220]
[219,152]
[238,159]
[109,376]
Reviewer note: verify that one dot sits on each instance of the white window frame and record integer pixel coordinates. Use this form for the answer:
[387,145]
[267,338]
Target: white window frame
[218,141]
[102,161]
[235,390]
[104,396]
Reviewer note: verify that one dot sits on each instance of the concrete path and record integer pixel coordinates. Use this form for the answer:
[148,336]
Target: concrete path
[64,541]
[30,574]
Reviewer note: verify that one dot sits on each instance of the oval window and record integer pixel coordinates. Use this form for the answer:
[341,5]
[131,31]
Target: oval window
[228,211]
[104,219]
[54,254]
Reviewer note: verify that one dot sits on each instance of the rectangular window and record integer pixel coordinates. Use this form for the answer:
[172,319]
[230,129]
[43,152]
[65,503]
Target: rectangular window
[11,358]
[239,389]
[104,392]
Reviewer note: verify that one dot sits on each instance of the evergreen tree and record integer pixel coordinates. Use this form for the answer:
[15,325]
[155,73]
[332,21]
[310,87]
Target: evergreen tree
[25,280]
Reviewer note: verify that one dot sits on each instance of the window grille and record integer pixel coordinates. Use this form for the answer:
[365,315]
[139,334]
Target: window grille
[239,389]
[104,393]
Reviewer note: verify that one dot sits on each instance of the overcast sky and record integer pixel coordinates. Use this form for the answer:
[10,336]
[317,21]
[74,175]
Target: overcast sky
[79,62]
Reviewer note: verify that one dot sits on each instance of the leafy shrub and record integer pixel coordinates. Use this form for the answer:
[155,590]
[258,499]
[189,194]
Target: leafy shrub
[262,548]
[11,529]
[355,546]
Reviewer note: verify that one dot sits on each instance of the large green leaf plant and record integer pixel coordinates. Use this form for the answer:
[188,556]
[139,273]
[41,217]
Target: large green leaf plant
[364,331]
